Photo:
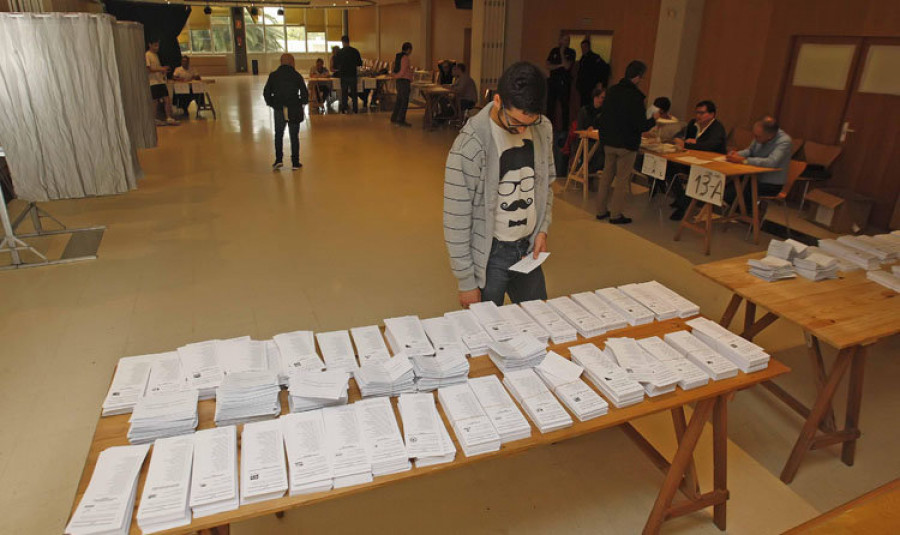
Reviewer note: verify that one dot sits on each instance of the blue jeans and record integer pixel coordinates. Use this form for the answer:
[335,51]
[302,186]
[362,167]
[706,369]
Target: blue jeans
[500,280]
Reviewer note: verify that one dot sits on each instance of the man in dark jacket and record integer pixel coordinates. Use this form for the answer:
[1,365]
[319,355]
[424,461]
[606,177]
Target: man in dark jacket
[592,70]
[347,60]
[703,132]
[560,61]
[623,118]
[285,92]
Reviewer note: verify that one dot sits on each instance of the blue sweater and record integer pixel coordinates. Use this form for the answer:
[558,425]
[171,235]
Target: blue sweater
[775,153]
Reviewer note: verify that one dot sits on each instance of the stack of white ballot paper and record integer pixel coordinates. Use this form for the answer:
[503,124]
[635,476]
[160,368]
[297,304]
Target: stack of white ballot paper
[606,374]
[890,242]
[309,390]
[201,368]
[165,374]
[506,417]
[584,322]
[473,428]
[706,358]
[786,250]
[540,405]
[214,475]
[689,375]
[247,397]
[273,356]
[443,336]
[658,304]
[381,436]
[748,356]
[888,280]
[406,334]
[521,351]
[560,330]
[337,350]
[685,307]
[370,346]
[426,437]
[448,367]
[308,455]
[771,269]
[488,315]
[164,501]
[241,355]
[816,266]
[655,375]
[128,384]
[884,253]
[298,352]
[633,312]
[857,257]
[562,376]
[389,378]
[166,414]
[523,323]
[471,332]
[108,502]
[263,474]
[350,460]
[601,310]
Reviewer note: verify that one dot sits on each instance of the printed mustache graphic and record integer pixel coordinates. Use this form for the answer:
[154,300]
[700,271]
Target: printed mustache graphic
[515,205]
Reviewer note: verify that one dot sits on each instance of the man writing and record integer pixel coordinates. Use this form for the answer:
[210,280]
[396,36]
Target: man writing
[559,62]
[497,196]
[346,63]
[285,92]
[771,147]
[592,70]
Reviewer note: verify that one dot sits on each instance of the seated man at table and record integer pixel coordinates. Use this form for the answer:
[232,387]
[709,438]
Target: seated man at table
[464,89]
[703,132]
[319,70]
[186,73]
[588,119]
[771,147]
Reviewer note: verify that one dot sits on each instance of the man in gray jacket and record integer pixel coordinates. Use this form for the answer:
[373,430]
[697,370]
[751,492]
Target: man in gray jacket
[497,196]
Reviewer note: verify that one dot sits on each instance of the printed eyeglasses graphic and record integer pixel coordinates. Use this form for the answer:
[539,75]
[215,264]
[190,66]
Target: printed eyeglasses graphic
[508,188]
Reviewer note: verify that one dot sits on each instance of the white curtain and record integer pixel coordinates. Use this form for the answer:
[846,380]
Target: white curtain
[26,6]
[62,120]
[129,38]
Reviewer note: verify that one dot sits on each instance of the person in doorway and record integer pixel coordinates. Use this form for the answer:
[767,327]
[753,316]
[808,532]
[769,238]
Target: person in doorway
[285,92]
[497,195]
[559,62]
[464,89]
[186,73]
[159,93]
[347,61]
[403,75]
[320,71]
[592,70]
[589,119]
[771,147]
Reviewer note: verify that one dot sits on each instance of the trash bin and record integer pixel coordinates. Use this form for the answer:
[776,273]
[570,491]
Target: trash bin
[254,65]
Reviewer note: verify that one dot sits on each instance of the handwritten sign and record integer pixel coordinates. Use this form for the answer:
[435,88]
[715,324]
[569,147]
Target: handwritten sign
[654,166]
[706,185]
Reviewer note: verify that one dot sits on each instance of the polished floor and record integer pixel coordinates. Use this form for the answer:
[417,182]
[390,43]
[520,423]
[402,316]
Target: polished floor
[215,244]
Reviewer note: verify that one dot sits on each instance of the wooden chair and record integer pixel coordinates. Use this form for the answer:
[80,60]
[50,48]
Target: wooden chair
[794,170]
[796,144]
[741,138]
[821,156]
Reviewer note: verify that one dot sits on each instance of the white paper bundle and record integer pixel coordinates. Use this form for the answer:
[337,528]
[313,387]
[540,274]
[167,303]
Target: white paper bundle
[381,436]
[601,310]
[471,332]
[128,384]
[505,416]
[406,334]
[274,362]
[350,460]
[866,244]
[520,351]
[857,257]
[308,454]
[474,430]
[884,278]
[523,323]
[370,346]
[658,304]
[166,374]
[771,269]
[562,376]
[201,368]
[656,377]
[241,355]
[587,325]
[684,306]
[164,501]
[560,330]
[388,378]
[488,315]
[746,355]
[337,351]
[310,390]
[706,358]
[247,397]
[542,408]
[633,312]
[424,431]
[263,473]
[166,414]
[689,375]
[606,374]
[448,367]
[214,474]
[816,266]
[443,336]
[298,352]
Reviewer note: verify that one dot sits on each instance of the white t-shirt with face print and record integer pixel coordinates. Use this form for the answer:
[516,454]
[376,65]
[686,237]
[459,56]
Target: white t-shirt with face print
[515,215]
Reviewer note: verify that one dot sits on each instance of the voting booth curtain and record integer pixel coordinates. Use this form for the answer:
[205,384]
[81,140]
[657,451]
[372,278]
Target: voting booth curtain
[63,96]
[161,21]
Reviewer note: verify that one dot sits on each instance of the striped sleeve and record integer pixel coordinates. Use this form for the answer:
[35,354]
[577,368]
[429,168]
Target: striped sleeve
[461,176]
[551,177]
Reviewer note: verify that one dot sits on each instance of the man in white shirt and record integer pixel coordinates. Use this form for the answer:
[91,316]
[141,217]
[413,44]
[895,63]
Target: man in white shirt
[186,73]
[158,89]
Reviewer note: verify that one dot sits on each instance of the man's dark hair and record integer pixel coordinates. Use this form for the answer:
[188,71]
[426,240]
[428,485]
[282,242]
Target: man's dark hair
[708,104]
[461,67]
[153,39]
[769,125]
[586,41]
[663,103]
[406,46]
[523,86]
[635,68]
[345,39]
[599,90]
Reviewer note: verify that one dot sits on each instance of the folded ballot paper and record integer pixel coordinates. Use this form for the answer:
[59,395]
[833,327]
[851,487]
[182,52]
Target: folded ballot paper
[310,390]
[448,367]
[201,368]
[884,278]
[108,502]
[263,472]
[345,439]
[298,351]
[560,330]
[505,416]
[633,312]
[611,379]
[247,397]
[523,323]
[488,315]
[164,500]
[443,336]
[520,351]
[857,257]
[771,269]
[542,408]
[787,249]
[658,304]
[587,325]
[241,355]
[273,356]
[165,374]
[706,358]
[426,437]
[470,330]
[214,474]
[381,436]
[816,266]
[166,414]
[337,351]
[746,355]
[308,454]
[128,385]
[601,310]
[562,377]
[656,377]
[407,334]
[471,424]
[689,374]
[684,306]
[370,346]
[388,378]
[891,242]
[868,245]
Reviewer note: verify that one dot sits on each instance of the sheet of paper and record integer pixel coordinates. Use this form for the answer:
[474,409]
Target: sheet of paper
[298,350]
[337,350]
[308,455]
[168,483]
[370,346]
[421,428]
[214,476]
[529,263]
[166,374]
[263,472]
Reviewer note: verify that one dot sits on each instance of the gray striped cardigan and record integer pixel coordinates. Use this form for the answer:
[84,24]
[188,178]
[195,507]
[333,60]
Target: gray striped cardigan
[471,179]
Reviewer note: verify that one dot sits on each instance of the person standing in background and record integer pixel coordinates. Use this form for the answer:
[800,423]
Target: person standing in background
[592,70]
[186,73]
[285,92]
[559,62]
[347,61]
[158,90]
[403,74]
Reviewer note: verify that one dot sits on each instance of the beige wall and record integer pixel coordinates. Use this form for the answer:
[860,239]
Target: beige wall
[362,31]
[448,28]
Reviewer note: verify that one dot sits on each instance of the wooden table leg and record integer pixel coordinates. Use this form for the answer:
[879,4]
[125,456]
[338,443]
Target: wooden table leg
[815,356]
[720,457]
[707,239]
[759,325]
[686,219]
[690,477]
[754,190]
[218,530]
[279,515]
[731,310]
[749,315]
[854,404]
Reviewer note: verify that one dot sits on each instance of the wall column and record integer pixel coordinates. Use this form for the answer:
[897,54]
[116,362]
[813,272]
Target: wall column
[488,35]
[425,9]
[677,36]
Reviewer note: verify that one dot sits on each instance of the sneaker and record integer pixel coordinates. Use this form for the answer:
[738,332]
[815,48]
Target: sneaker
[296,165]
[604,215]
[404,123]
[621,220]
[677,215]
[277,165]
[172,122]
[160,123]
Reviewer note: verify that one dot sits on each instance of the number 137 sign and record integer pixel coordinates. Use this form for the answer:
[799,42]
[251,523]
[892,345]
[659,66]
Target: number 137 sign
[706,185]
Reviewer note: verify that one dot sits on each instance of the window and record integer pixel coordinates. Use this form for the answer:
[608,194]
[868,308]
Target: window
[207,34]
[296,38]
[275,38]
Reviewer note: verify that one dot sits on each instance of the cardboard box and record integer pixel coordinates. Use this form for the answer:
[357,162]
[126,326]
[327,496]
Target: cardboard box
[839,210]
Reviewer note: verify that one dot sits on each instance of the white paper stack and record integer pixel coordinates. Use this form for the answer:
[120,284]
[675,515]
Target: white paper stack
[866,244]
[505,416]
[656,377]
[164,501]
[166,414]
[310,390]
[523,323]
[448,367]
[247,397]
[562,376]
[780,249]
[275,364]
[633,312]
[560,330]
[370,346]
[471,332]
[443,336]
[128,384]
[689,374]
[587,325]
[241,355]
[895,269]
[706,358]
[684,306]
[748,356]
[658,304]
[884,278]
[606,374]
[201,368]
[263,473]
[891,242]
[337,351]
[406,334]
[165,374]
[542,408]
[474,430]
[214,475]
[298,352]
[488,315]
[426,436]
[816,266]
[601,310]
[388,378]
[350,460]
[381,436]
[857,257]
[308,454]
[521,351]
[771,269]
[108,502]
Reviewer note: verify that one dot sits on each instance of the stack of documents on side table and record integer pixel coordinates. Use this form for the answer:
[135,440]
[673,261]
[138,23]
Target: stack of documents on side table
[263,473]
[689,374]
[164,501]
[890,242]
[560,330]
[656,377]
[771,269]
[381,436]
[388,378]
[544,410]
[883,252]
[816,266]
[166,374]
[108,502]
[370,346]
[337,351]
[521,351]
[748,356]
[309,390]
[406,334]
[857,257]
[201,368]
[470,423]
[488,315]
[606,374]
[562,376]
[247,397]
[241,355]
[308,454]
[706,358]
[633,312]
[345,439]
[787,249]
[587,325]
[298,352]
[471,332]
[214,476]
[128,384]
[601,310]
[166,414]
[426,437]
[888,280]
[448,367]
[506,417]
[657,303]
[523,323]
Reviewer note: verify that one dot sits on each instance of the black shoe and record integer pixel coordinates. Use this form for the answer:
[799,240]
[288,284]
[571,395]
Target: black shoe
[604,215]
[677,215]
[277,165]
[621,220]
[296,165]
[404,123]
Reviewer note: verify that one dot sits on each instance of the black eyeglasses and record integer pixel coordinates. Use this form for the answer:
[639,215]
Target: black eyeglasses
[506,189]
[513,127]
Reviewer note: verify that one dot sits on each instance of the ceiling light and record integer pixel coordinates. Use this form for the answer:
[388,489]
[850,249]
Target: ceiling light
[207,10]
[281,11]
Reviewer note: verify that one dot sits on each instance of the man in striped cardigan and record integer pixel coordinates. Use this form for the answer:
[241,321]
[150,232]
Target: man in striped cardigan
[497,196]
